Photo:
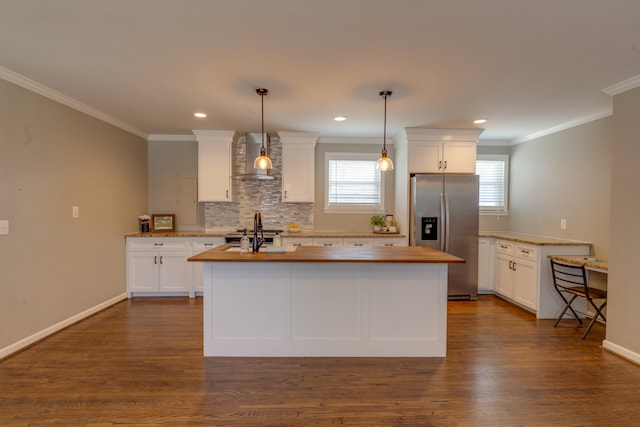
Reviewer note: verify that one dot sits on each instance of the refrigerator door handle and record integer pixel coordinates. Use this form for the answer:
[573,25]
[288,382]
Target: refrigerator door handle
[443,222]
[446,223]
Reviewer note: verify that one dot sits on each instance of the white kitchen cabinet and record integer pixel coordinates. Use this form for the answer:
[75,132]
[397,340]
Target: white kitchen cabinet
[442,157]
[516,272]
[199,245]
[298,166]
[214,165]
[158,266]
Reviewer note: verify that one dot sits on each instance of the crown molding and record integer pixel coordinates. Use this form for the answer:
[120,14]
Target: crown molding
[353,140]
[623,86]
[40,89]
[564,126]
[157,137]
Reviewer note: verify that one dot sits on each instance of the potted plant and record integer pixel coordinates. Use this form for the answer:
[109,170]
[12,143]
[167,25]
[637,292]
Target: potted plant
[377,221]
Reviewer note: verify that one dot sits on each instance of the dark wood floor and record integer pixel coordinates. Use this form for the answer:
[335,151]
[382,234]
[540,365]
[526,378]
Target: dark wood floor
[140,363]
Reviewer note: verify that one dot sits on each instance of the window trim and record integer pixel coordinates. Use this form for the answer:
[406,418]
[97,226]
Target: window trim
[350,208]
[505,210]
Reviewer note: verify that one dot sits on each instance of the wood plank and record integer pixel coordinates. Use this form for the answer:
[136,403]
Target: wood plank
[140,363]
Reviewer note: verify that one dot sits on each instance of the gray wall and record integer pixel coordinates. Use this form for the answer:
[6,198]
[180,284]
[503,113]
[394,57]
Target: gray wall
[564,175]
[53,267]
[173,181]
[624,278]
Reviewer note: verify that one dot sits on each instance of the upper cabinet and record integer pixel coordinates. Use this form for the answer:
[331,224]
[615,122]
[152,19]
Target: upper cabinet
[214,165]
[442,150]
[298,166]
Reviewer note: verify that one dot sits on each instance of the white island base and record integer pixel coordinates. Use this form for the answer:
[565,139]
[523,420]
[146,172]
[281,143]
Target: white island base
[325,309]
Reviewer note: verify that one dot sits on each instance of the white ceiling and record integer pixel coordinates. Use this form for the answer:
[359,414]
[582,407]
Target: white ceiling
[526,66]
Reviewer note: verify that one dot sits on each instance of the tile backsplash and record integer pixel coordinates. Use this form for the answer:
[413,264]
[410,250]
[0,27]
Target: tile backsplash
[250,196]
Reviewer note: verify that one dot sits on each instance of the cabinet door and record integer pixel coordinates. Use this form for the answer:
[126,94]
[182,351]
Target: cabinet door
[142,274]
[459,157]
[199,246]
[503,274]
[298,173]
[425,157]
[525,286]
[174,271]
[214,171]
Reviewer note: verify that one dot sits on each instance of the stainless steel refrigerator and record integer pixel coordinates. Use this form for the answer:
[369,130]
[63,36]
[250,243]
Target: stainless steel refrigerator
[444,216]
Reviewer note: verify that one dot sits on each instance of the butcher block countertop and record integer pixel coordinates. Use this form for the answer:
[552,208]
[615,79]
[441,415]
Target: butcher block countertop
[386,254]
[532,239]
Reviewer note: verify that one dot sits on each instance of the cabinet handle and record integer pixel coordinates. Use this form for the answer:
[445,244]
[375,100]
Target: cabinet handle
[155,259]
[227,194]
[439,164]
[357,244]
[445,164]
[208,244]
[510,265]
[328,244]
[297,244]
[285,194]
[514,266]
[388,244]
[158,244]
[524,251]
[161,259]
[504,247]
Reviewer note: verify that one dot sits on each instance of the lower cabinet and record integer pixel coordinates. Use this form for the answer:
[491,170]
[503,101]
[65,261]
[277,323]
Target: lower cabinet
[485,264]
[158,265]
[516,273]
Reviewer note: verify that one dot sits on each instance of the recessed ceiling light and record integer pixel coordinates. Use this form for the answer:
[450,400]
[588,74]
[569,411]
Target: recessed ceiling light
[201,115]
[480,121]
[339,118]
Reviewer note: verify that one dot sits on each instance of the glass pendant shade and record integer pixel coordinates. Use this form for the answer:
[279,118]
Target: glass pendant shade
[262,161]
[384,163]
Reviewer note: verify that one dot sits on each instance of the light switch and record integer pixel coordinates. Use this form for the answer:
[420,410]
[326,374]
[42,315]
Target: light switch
[563,224]
[75,212]
[4,227]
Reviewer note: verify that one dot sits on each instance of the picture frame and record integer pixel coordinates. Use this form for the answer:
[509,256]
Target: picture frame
[163,222]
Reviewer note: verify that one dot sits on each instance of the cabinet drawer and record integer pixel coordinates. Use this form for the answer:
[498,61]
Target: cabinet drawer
[504,247]
[526,252]
[387,241]
[158,243]
[353,241]
[294,242]
[328,241]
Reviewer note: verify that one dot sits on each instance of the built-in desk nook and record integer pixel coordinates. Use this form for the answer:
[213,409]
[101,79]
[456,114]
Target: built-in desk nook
[326,301]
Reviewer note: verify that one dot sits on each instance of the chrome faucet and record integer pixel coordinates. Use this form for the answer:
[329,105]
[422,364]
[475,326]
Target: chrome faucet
[258,235]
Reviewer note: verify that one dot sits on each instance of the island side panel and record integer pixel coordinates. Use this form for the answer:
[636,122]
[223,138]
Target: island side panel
[325,309]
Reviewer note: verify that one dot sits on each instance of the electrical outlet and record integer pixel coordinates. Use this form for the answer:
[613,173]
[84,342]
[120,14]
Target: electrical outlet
[75,212]
[4,226]
[563,224]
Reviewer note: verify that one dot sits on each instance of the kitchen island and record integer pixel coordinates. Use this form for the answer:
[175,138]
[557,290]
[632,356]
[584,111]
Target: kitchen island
[326,301]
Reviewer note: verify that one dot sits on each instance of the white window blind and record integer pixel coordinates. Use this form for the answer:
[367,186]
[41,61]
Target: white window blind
[352,183]
[493,171]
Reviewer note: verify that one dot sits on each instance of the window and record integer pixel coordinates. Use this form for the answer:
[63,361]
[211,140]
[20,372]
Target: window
[353,183]
[494,176]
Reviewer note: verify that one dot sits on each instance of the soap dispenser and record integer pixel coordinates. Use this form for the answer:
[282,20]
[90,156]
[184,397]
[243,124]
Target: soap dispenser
[277,240]
[245,243]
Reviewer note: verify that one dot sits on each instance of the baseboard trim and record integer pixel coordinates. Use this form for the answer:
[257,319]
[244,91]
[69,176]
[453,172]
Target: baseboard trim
[17,346]
[623,352]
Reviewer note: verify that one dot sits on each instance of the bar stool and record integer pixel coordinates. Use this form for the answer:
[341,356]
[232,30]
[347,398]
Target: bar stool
[571,282]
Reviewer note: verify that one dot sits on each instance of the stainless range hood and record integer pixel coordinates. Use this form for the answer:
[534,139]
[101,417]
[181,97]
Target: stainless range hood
[253,144]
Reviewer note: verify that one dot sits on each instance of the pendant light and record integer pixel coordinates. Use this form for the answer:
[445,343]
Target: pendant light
[262,161]
[384,163]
